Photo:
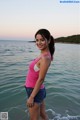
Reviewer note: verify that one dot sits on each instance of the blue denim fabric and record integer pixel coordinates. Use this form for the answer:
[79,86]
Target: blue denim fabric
[40,95]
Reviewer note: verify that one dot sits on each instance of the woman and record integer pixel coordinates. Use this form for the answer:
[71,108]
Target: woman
[37,71]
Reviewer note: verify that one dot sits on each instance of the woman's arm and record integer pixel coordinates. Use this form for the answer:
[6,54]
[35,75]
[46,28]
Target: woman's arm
[44,65]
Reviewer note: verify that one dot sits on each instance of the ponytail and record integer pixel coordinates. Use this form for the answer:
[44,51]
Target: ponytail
[52,46]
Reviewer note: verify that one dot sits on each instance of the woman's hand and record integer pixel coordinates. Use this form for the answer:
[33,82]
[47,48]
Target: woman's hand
[30,101]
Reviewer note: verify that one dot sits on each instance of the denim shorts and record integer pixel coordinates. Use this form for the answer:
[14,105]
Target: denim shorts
[40,95]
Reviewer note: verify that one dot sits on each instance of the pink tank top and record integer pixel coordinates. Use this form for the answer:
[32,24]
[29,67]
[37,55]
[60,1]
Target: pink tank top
[32,75]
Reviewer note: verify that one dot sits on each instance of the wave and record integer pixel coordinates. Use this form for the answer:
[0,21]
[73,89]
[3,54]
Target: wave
[21,113]
[56,116]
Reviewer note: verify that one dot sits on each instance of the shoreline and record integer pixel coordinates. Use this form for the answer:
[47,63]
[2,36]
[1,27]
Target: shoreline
[67,42]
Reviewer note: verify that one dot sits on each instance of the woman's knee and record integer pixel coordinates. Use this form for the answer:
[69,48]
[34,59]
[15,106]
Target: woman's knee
[43,116]
[34,112]
[43,112]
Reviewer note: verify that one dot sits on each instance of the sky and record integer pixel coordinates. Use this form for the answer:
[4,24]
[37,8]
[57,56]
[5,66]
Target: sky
[20,19]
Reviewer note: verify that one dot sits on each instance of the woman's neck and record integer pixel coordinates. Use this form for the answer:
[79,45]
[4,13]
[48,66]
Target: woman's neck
[45,51]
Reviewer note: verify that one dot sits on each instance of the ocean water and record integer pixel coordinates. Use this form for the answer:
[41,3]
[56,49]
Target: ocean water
[62,80]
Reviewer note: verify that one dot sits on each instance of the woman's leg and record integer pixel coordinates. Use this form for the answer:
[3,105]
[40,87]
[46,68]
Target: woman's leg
[34,112]
[42,111]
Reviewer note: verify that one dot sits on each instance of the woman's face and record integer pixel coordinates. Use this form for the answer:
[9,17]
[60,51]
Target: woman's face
[41,42]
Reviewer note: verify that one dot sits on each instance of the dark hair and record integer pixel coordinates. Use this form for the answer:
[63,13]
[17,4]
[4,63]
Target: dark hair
[46,34]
